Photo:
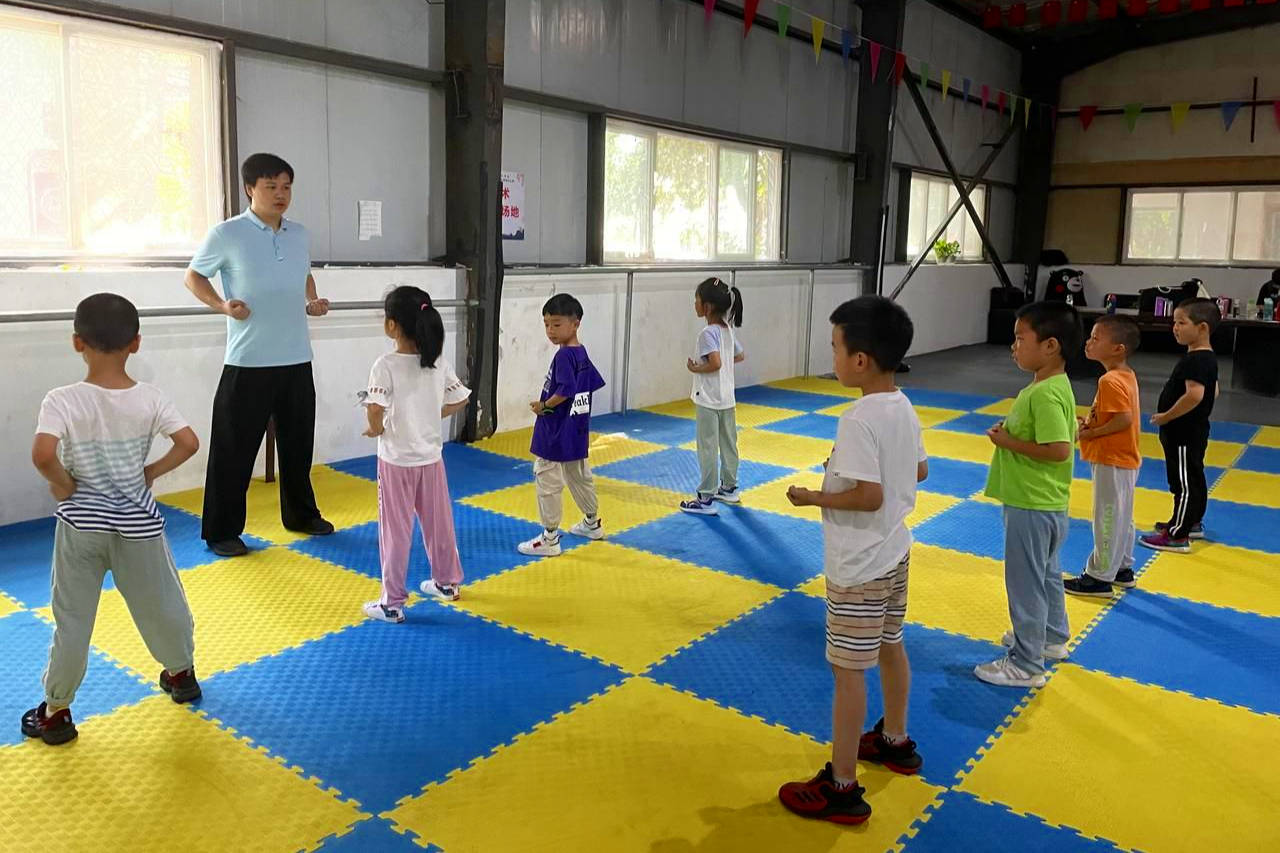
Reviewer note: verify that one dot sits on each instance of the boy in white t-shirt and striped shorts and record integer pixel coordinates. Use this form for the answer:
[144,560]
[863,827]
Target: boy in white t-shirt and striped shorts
[867,493]
[91,444]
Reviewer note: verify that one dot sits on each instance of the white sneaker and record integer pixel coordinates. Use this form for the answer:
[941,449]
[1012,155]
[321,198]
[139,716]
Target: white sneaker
[376,610]
[586,531]
[728,496]
[1005,673]
[542,545]
[1052,651]
[699,506]
[448,592]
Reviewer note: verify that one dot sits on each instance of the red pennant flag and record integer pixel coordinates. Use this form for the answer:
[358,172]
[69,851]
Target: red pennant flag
[1200,5]
[986,96]
[1077,11]
[1276,107]
[708,6]
[1051,13]
[1108,9]
[1018,15]
[1227,4]
[991,16]
[874,49]
[749,15]
[1137,8]
[1087,114]
[899,67]
[1168,7]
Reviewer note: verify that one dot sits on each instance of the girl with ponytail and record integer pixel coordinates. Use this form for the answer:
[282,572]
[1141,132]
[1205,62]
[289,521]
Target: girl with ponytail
[411,391]
[715,354]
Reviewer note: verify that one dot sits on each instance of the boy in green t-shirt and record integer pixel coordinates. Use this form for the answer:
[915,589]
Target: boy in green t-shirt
[1031,476]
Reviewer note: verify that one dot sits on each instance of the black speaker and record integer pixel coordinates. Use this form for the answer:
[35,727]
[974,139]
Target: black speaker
[1000,325]
[1006,297]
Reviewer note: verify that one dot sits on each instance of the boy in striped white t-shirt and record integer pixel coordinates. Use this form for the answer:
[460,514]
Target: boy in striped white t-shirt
[92,443]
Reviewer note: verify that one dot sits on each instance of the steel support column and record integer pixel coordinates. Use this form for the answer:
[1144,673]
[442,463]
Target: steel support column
[475,32]
[1041,81]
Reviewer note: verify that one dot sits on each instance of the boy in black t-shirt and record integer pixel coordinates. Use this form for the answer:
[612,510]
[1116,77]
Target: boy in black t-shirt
[1183,418]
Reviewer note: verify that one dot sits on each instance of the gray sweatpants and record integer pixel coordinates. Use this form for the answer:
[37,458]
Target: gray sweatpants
[717,448]
[551,478]
[1033,581]
[1113,530]
[147,579]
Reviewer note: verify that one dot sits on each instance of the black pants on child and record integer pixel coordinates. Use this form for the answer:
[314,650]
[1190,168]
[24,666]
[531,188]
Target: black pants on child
[1184,465]
[247,398]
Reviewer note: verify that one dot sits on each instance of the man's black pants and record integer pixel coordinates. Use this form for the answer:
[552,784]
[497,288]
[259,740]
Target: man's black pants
[247,398]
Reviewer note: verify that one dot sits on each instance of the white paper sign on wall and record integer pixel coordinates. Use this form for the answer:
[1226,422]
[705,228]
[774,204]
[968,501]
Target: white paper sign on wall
[513,205]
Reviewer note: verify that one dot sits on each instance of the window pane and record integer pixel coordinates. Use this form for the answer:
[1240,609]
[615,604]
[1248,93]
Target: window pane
[627,209]
[139,155]
[768,220]
[1205,220]
[1257,226]
[956,227]
[33,179]
[936,209]
[971,246]
[1153,225]
[736,203]
[682,198]
[916,213]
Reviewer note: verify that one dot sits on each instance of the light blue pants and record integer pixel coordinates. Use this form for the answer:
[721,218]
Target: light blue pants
[1033,581]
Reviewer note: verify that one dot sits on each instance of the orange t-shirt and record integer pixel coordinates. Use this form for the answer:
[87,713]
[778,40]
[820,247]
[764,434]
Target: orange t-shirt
[1117,392]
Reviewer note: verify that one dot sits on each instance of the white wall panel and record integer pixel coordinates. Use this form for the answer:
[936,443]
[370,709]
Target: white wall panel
[522,152]
[398,30]
[713,62]
[522,60]
[763,104]
[563,207]
[295,20]
[581,49]
[653,58]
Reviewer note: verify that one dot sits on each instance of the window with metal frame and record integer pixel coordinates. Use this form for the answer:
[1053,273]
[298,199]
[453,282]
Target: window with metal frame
[1203,225]
[679,197]
[931,197]
[111,140]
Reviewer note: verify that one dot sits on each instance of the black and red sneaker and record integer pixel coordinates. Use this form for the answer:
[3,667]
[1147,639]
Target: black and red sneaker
[819,798]
[53,730]
[898,757]
[182,686]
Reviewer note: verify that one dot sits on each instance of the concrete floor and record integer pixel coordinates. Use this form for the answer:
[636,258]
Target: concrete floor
[989,369]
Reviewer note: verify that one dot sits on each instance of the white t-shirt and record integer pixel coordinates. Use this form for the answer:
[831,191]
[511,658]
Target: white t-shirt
[413,396]
[715,390]
[878,440]
[104,437]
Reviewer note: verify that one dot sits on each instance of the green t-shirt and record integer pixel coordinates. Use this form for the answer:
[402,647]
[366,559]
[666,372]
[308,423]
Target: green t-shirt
[1044,412]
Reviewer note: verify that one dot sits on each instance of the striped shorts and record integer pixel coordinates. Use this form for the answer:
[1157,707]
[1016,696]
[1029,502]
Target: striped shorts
[860,618]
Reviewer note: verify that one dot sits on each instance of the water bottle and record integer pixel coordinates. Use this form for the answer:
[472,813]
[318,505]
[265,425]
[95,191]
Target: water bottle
[1268,309]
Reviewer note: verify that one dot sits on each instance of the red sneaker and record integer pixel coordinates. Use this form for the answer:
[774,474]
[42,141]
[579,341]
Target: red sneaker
[819,798]
[52,730]
[898,757]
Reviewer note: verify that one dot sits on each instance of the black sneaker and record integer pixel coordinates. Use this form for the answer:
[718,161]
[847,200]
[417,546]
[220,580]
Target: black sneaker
[52,730]
[1125,579]
[233,547]
[819,798]
[898,757]
[181,687]
[315,527]
[1088,586]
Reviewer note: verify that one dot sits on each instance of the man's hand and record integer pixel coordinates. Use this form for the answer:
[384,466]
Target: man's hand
[62,491]
[318,307]
[236,309]
[999,435]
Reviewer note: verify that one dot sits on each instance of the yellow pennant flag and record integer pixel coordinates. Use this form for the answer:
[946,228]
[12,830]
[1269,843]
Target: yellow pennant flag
[1178,114]
[819,27]
[1026,112]
[946,84]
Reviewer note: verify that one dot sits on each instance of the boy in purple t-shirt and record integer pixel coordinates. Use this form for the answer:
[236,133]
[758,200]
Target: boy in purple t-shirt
[561,434]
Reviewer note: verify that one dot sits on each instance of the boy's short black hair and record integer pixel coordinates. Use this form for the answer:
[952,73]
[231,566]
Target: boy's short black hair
[562,305]
[1122,330]
[876,326]
[1200,310]
[1054,320]
[263,166]
[106,322]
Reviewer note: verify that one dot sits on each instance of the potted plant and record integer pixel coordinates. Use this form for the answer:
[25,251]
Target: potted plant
[946,251]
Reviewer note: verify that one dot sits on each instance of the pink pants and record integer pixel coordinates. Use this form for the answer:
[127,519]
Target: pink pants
[403,493]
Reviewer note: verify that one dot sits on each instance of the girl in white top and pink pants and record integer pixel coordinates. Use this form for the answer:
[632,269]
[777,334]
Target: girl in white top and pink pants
[410,393]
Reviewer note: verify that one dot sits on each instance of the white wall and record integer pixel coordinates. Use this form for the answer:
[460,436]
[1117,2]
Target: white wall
[948,304]
[550,148]
[183,356]
[1212,68]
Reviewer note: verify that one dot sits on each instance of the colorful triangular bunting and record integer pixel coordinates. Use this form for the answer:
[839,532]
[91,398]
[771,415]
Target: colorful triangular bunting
[819,27]
[1026,112]
[1131,113]
[874,50]
[784,19]
[708,6]
[899,67]
[924,74]
[846,45]
[1229,110]
[1086,115]
[1178,114]
[946,84]
[749,15]
[964,88]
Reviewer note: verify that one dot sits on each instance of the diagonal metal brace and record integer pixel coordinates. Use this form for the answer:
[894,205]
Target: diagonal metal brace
[951,214]
[992,255]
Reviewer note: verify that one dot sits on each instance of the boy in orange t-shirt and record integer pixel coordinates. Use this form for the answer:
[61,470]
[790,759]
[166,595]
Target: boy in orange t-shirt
[1109,442]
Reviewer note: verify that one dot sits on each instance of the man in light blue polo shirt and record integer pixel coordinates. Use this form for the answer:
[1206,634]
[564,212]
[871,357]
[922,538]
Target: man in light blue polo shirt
[267,293]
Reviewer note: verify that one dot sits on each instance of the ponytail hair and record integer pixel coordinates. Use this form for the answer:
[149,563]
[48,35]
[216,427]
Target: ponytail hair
[724,302]
[411,309]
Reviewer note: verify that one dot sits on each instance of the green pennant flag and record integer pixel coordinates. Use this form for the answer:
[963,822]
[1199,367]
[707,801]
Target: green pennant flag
[1131,113]
[924,74]
[784,19]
